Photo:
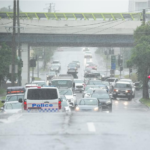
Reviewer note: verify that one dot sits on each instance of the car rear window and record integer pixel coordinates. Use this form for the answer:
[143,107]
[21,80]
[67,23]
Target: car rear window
[120,85]
[42,94]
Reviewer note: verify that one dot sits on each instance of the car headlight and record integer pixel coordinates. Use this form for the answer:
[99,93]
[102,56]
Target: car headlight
[96,109]
[77,109]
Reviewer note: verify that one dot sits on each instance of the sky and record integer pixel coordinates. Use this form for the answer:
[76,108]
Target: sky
[71,5]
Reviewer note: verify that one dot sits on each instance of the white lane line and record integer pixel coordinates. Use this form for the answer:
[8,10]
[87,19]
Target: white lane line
[91,127]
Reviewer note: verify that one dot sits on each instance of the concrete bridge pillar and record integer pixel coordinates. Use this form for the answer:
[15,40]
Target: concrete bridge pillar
[26,68]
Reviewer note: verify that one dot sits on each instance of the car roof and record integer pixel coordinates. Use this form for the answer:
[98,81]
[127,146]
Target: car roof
[88,98]
[10,102]
[121,82]
[38,81]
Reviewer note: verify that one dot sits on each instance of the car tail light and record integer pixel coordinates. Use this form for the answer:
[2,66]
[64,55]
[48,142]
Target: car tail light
[115,90]
[25,105]
[59,104]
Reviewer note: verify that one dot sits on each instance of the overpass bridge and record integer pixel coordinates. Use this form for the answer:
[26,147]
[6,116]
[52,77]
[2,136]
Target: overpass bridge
[70,29]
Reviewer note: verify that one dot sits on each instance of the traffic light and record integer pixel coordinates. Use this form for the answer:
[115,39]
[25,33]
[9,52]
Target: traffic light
[120,60]
[121,68]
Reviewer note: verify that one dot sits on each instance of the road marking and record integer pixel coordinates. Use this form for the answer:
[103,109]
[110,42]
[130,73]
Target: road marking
[91,127]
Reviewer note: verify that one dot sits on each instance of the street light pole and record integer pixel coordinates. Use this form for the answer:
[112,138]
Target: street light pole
[13,44]
[19,48]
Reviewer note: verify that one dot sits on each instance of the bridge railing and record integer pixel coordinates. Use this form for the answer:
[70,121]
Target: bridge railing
[75,16]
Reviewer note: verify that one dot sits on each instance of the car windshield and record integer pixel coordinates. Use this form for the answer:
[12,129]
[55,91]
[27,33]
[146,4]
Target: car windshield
[13,106]
[88,102]
[54,66]
[14,97]
[100,95]
[52,73]
[122,85]
[62,83]
[106,83]
[110,80]
[65,92]
[72,65]
[78,81]
[40,83]
[94,82]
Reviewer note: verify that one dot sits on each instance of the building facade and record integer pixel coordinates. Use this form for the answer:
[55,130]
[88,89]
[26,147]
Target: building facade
[138,5]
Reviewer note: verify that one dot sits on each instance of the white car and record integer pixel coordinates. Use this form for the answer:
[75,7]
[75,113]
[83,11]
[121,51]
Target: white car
[79,85]
[56,62]
[12,107]
[71,98]
[87,55]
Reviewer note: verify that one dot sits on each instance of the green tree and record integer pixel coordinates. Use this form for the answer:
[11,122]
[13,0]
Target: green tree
[5,61]
[141,56]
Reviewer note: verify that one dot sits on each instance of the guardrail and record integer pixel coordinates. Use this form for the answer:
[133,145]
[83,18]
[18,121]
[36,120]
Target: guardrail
[76,16]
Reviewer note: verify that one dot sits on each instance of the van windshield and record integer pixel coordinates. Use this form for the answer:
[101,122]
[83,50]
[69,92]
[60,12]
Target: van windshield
[62,83]
[42,94]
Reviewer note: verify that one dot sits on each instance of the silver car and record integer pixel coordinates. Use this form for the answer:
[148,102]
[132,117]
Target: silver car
[12,107]
[88,104]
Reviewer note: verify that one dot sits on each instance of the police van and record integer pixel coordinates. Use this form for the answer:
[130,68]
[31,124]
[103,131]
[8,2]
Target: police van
[44,98]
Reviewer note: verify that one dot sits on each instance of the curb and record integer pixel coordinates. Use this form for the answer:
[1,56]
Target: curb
[142,103]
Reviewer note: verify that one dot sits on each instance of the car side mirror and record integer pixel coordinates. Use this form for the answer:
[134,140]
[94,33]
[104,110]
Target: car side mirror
[3,101]
[20,100]
[2,108]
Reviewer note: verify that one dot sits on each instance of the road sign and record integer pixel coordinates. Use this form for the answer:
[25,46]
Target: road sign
[113,62]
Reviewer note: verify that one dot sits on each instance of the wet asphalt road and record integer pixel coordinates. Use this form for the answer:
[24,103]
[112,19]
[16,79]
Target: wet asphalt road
[127,127]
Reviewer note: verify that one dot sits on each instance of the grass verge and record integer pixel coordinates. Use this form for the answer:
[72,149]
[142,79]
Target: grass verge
[145,102]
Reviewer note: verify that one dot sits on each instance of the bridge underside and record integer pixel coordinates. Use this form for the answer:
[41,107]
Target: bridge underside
[72,40]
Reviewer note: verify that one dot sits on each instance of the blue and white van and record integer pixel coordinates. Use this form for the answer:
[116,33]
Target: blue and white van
[44,98]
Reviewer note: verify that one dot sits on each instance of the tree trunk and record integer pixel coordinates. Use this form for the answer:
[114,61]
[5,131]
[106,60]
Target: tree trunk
[145,87]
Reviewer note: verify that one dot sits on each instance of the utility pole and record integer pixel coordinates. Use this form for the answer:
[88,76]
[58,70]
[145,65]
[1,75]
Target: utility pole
[19,48]
[13,44]
[144,19]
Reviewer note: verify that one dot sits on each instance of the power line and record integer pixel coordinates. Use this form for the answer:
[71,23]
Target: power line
[93,27]
[111,27]
[5,23]
[66,26]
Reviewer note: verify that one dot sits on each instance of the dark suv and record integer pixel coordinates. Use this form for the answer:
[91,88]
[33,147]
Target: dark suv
[122,90]
[104,99]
